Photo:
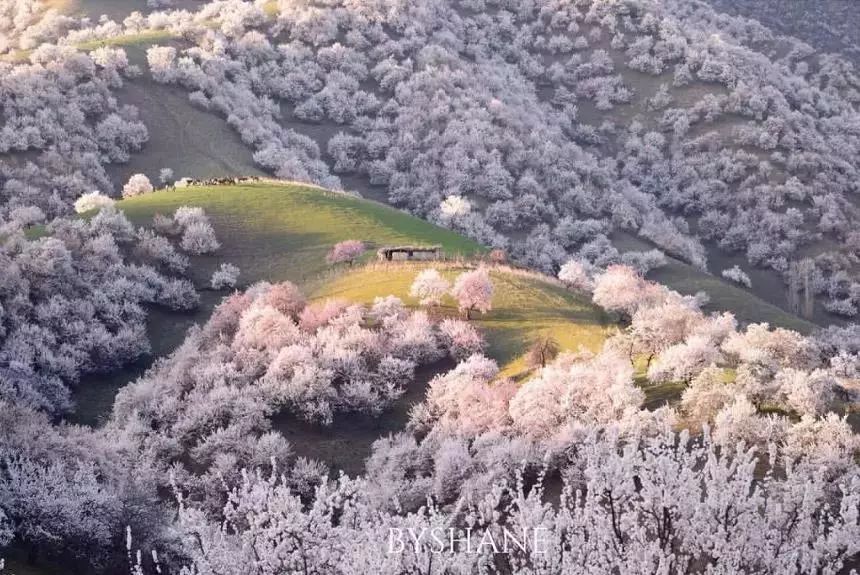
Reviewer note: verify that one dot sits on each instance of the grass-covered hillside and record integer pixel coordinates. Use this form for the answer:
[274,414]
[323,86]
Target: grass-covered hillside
[526,307]
[282,231]
[278,231]
[274,232]
[747,305]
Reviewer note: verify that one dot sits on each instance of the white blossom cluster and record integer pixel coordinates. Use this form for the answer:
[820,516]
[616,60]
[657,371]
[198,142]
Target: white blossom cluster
[73,303]
[479,453]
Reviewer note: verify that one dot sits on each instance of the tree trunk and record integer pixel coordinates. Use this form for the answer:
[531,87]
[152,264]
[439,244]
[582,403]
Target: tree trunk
[32,554]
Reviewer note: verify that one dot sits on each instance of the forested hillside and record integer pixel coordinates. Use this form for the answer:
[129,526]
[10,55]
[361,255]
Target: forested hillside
[559,123]
[342,287]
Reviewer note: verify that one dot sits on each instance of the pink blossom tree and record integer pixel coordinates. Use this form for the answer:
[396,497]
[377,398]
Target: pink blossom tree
[807,393]
[473,291]
[621,289]
[346,251]
[460,338]
[320,313]
[684,361]
[286,298]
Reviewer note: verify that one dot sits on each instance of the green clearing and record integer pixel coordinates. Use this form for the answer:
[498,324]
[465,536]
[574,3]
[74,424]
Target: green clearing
[277,231]
[746,306]
[282,231]
[143,38]
[525,308]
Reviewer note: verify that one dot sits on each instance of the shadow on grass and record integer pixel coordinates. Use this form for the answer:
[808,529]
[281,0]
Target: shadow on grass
[346,444]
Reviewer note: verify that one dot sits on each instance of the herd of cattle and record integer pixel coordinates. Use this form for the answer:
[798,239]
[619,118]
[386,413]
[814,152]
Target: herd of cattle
[231,181]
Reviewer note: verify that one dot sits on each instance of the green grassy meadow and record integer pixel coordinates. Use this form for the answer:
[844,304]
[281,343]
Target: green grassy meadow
[280,231]
[525,308]
[144,38]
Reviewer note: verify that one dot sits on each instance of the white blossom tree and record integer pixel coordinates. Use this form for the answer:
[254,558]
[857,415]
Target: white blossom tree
[737,275]
[575,275]
[454,207]
[137,184]
[199,238]
[92,201]
[225,276]
[429,287]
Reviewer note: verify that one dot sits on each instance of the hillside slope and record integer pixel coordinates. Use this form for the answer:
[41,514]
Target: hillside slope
[273,232]
[278,231]
[747,304]
[561,123]
[525,307]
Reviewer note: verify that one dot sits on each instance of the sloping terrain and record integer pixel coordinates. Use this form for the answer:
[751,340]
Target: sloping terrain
[279,231]
[827,25]
[707,135]
[526,307]
[747,305]
[701,150]
[273,232]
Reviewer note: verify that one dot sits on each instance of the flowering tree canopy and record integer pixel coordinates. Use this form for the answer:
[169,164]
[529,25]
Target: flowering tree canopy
[346,251]
[137,184]
[429,287]
[92,201]
[473,291]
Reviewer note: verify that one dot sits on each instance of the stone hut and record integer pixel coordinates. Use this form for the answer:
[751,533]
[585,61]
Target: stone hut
[409,253]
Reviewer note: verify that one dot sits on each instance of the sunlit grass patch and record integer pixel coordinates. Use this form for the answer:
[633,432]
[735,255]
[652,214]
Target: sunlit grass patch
[526,307]
[145,37]
[282,231]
